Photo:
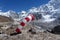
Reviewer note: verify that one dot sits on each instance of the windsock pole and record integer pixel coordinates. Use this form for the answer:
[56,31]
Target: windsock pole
[22,24]
[27,19]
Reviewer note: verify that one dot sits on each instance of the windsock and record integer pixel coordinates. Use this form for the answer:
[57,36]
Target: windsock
[27,19]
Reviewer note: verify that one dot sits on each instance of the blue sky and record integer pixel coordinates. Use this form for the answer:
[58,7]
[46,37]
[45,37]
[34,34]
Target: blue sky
[19,5]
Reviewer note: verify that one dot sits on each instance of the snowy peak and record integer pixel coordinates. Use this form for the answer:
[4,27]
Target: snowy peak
[9,13]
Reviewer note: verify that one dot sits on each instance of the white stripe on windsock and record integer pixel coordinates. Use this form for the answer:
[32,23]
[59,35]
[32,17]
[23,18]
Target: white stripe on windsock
[24,20]
[30,17]
[20,27]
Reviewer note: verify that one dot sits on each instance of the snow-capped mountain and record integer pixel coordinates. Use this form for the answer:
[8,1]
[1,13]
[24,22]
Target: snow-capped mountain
[13,14]
[9,13]
[4,13]
[50,12]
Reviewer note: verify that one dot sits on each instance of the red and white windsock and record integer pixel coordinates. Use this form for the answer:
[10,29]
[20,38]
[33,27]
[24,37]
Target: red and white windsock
[27,19]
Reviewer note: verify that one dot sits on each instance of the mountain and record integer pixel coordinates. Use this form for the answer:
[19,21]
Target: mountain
[50,12]
[10,14]
[5,19]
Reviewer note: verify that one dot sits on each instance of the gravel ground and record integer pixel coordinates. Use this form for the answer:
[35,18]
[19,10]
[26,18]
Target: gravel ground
[25,35]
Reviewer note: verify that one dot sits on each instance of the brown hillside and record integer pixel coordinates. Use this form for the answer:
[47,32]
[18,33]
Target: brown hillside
[5,19]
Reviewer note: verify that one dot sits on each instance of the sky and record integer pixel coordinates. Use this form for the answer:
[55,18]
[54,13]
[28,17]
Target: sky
[19,5]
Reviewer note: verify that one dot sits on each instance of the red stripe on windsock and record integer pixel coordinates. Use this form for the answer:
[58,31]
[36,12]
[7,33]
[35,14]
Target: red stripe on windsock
[32,16]
[22,24]
[27,19]
[17,30]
